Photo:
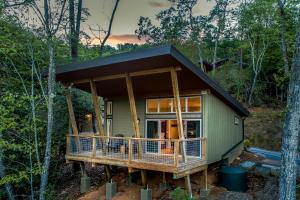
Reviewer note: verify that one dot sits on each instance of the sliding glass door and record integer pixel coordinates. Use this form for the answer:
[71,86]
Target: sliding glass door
[153,132]
[167,129]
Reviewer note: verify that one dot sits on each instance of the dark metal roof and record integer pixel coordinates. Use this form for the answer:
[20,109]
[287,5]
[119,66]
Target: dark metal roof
[161,56]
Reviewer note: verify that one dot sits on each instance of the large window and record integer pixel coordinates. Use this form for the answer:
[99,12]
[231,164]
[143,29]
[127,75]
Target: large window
[167,105]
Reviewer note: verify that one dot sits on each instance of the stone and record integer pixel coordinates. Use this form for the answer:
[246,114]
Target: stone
[163,187]
[247,164]
[204,193]
[111,190]
[146,194]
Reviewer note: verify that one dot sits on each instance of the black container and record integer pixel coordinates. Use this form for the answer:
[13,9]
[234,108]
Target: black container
[233,178]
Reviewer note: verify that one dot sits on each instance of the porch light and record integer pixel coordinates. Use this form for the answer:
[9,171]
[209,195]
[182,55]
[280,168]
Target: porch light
[88,117]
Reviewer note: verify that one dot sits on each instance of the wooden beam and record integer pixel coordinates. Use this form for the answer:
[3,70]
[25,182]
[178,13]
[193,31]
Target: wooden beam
[189,171]
[135,123]
[132,104]
[99,122]
[131,74]
[71,111]
[72,118]
[180,125]
[97,107]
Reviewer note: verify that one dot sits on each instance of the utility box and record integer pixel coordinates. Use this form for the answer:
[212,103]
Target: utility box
[146,194]
[85,184]
[111,190]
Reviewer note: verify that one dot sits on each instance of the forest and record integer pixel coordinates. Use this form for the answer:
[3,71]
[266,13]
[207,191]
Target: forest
[252,46]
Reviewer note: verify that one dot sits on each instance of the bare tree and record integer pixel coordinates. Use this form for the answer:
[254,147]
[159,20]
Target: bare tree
[220,12]
[8,187]
[257,56]
[50,17]
[98,31]
[74,27]
[290,139]
[108,32]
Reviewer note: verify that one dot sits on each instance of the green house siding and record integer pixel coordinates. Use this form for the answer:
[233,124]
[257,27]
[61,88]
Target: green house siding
[219,127]
[122,118]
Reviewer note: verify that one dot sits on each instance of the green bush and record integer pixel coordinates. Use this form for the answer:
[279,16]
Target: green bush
[179,194]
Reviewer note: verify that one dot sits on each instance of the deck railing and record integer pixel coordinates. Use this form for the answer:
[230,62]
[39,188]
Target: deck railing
[167,152]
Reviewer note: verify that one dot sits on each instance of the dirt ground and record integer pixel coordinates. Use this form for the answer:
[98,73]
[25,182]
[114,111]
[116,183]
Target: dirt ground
[261,187]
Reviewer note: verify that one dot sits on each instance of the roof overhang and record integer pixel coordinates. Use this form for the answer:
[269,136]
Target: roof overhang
[190,77]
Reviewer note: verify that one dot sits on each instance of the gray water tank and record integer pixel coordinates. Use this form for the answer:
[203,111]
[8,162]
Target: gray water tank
[233,178]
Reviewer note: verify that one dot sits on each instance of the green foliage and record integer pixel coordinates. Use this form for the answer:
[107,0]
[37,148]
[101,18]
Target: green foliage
[179,194]
[247,143]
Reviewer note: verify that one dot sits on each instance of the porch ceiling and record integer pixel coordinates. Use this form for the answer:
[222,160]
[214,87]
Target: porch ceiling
[190,77]
[146,85]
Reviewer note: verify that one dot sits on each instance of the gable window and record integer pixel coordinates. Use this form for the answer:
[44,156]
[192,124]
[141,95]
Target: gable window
[167,105]
[152,105]
[193,104]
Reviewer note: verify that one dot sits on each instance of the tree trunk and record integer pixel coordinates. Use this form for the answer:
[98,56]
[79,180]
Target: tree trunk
[109,27]
[73,46]
[51,95]
[8,187]
[289,148]
[252,89]
[283,44]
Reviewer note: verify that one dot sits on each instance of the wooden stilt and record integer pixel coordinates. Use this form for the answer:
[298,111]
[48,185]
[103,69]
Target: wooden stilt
[164,178]
[99,123]
[72,117]
[180,125]
[205,175]
[135,124]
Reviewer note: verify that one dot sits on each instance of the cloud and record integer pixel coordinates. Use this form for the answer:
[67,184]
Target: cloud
[125,38]
[113,40]
[158,4]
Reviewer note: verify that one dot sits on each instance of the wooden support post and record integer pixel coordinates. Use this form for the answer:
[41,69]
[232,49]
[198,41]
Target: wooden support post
[176,153]
[203,148]
[99,122]
[135,124]
[164,178]
[205,175]
[94,147]
[180,125]
[129,150]
[68,143]
[178,111]
[72,118]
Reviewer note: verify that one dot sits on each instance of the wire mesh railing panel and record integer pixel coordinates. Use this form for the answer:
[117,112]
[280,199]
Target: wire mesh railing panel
[117,148]
[153,151]
[145,150]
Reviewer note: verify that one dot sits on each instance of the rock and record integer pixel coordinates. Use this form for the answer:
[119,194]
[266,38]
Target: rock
[247,164]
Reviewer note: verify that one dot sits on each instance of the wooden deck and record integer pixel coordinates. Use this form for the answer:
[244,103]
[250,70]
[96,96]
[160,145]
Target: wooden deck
[123,152]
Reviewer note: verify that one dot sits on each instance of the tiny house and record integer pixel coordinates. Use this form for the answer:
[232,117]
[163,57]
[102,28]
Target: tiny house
[161,113]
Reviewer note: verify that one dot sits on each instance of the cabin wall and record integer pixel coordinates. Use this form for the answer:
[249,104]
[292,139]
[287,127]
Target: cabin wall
[220,129]
[122,123]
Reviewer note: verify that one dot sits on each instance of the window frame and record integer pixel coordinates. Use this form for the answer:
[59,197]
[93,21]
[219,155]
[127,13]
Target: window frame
[172,107]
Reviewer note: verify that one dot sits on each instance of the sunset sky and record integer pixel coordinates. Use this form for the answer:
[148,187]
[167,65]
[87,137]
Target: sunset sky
[127,16]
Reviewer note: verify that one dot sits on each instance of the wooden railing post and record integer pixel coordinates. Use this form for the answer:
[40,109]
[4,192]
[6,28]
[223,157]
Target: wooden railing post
[94,147]
[129,150]
[203,148]
[176,152]
[68,143]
